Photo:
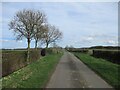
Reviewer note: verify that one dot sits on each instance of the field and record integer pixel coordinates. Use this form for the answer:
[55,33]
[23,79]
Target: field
[107,70]
[34,75]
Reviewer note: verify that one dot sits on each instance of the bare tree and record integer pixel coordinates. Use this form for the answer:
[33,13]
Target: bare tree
[39,34]
[24,25]
[39,29]
[51,34]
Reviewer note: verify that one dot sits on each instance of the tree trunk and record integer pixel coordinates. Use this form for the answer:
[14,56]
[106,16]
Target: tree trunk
[47,45]
[36,44]
[28,51]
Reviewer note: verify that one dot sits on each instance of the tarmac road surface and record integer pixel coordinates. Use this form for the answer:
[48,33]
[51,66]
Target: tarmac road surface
[72,73]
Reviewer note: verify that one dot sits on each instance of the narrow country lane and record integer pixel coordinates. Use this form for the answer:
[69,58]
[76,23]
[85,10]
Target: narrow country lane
[72,73]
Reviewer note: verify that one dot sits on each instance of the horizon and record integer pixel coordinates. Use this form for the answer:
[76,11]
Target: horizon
[84,24]
[63,47]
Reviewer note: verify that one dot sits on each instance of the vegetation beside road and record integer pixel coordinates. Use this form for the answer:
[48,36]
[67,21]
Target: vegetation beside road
[13,60]
[111,55]
[105,69]
[35,75]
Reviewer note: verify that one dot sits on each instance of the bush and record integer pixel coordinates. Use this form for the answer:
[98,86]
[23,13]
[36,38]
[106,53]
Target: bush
[78,50]
[53,50]
[13,60]
[34,55]
[43,52]
[112,56]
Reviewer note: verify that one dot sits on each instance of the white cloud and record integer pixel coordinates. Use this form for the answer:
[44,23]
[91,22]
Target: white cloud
[81,23]
[6,40]
[89,38]
[111,42]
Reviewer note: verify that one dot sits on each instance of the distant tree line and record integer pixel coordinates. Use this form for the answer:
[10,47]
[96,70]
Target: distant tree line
[95,47]
[33,24]
[105,47]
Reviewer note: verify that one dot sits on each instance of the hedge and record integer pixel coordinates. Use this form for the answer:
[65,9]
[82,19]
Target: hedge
[112,56]
[78,50]
[13,60]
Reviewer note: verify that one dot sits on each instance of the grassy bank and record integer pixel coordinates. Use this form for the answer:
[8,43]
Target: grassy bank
[105,69]
[34,75]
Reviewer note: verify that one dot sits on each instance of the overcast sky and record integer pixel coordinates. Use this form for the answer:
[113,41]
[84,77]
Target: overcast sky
[82,23]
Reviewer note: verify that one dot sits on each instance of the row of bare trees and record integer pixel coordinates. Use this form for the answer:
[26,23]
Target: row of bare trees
[32,24]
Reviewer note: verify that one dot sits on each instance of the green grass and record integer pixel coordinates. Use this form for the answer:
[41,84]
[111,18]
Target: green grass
[105,69]
[34,75]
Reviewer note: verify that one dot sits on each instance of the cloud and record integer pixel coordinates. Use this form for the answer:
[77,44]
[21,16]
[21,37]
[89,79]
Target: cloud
[98,39]
[4,40]
[89,38]
[111,42]
[82,23]
[6,43]
[8,40]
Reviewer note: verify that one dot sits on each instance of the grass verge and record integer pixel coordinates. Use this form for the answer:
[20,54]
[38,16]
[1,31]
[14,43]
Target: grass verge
[104,68]
[34,75]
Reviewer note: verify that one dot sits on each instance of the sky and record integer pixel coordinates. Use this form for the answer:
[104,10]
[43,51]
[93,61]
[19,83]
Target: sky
[83,24]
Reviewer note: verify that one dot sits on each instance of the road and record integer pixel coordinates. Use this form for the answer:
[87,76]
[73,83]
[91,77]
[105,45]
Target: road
[72,73]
